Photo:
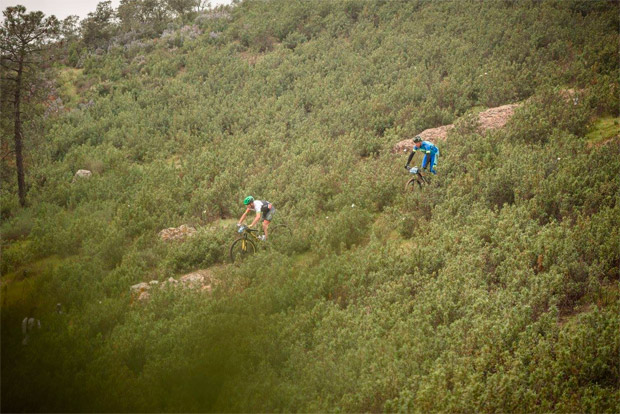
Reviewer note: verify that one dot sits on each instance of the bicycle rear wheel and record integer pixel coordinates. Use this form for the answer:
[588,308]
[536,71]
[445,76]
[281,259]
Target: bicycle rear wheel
[279,235]
[280,232]
[241,249]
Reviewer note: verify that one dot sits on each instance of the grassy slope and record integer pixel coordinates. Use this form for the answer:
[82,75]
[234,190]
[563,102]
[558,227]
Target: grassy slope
[483,293]
[604,130]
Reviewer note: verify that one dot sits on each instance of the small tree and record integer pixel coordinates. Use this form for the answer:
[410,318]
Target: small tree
[22,39]
[143,16]
[98,27]
[69,28]
[182,8]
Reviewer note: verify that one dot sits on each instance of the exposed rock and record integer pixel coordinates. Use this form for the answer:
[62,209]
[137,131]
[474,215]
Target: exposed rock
[192,280]
[82,174]
[139,291]
[496,117]
[169,281]
[139,287]
[492,118]
[436,134]
[432,134]
[201,280]
[177,233]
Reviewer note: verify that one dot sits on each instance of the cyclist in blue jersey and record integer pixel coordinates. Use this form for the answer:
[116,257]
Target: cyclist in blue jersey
[431,153]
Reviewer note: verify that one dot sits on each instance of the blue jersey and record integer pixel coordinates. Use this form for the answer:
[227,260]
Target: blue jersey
[427,148]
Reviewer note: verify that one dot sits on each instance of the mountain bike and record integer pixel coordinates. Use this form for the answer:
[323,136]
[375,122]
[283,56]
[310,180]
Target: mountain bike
[417,180]
[246,244]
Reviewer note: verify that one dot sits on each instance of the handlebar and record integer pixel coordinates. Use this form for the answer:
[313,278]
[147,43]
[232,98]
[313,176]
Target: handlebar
[241,229]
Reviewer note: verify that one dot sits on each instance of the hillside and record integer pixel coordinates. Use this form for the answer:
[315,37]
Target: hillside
[494,289]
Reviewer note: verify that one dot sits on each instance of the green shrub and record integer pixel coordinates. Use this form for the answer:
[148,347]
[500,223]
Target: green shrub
[204,249]
[491,289]
[15,255]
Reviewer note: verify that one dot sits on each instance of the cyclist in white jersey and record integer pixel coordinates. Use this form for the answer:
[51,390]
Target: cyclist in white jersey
[263,209]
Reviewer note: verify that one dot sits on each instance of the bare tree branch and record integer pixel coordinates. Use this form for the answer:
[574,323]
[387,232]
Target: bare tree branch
[8,67]
[6,155]
[10,57]
[10,78]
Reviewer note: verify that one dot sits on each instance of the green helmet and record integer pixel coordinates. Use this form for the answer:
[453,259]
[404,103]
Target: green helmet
[417,139]
[248,200]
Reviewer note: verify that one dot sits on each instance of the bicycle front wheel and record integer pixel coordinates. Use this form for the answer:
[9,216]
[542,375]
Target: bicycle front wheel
[241,249]
[412,184]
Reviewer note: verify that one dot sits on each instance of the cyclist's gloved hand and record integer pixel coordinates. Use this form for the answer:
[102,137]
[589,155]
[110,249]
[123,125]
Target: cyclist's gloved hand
[238,224]
[406,166]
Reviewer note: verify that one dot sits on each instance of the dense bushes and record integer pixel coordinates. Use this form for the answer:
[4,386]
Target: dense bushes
[493,289]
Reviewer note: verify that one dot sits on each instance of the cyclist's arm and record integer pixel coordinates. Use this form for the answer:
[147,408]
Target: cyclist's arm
[411,156]
[241,220]
[255,219]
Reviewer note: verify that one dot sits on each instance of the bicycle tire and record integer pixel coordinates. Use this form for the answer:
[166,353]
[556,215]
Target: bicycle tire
[411,184]
[241,249]
[280,233]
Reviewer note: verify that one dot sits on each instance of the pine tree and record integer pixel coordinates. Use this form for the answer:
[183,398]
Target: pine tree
[23,36]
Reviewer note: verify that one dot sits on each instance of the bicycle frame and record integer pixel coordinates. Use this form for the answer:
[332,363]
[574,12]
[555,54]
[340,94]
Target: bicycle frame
[245,244]
[248,240]
[248,232]
[417,178]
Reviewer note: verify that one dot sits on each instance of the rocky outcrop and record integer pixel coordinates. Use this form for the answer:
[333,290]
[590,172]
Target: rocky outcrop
[82,174]
[200,280]
[139,287]
[433,135]
[495,117]
[140,291]
[490,119]
[177,233]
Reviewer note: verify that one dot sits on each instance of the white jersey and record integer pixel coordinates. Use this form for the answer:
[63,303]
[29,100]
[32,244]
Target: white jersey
[257,205]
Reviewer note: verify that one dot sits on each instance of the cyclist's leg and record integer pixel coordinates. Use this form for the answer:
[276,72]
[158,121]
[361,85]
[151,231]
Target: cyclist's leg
[424,161]
[433,162]
[265,227]
[267,217]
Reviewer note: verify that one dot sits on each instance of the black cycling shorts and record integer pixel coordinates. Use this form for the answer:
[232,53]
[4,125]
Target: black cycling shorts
[268,215]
